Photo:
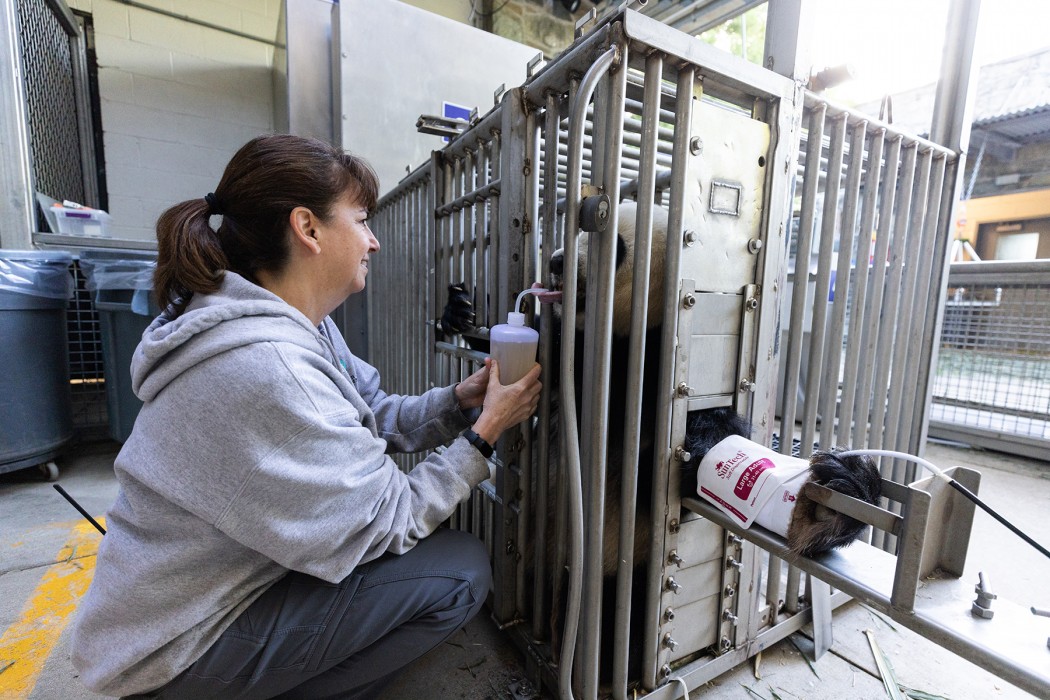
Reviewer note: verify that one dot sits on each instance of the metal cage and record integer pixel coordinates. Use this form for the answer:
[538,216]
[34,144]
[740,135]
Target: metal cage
[755,174]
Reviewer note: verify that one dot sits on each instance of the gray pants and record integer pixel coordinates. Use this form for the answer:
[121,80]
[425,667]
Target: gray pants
[306,638]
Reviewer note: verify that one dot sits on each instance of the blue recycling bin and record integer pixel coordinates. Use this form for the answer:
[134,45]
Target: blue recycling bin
[36,411]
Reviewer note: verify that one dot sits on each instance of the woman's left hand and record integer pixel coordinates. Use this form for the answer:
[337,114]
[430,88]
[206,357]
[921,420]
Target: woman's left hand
[471,391]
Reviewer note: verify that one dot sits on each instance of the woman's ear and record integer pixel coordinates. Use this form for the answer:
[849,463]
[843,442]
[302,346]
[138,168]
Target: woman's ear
[303,224]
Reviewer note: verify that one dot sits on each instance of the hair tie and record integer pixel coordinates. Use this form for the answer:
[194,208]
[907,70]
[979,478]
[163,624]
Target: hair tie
[213,204]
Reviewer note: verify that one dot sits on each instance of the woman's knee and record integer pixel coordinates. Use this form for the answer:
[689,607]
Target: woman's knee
[467,555]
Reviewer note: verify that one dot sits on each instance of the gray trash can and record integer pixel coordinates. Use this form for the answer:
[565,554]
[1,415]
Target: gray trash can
[36,413]
[122,283]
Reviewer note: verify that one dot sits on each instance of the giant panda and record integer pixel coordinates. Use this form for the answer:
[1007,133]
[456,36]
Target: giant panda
[821,529]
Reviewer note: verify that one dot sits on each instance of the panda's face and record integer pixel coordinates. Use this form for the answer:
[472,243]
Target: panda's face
[624,280]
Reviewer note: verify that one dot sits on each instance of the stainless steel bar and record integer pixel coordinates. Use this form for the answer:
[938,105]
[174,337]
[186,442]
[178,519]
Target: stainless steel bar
[791,590]
[800,288]
[829,432]
[570,442]
[721,71]
[889,308]
[854,117]
[938,288]
[773,599]
[907,422]
[529,275]
[540,605]
[651,660]
[854,338]
[633,410]
[818,333]
[472,198]
[496,231]
[596,430]
[576,61]
[873,310]
[869,325]
[906,337]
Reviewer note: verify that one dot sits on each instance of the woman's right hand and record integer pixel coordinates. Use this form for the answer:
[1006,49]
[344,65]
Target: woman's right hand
[506,406]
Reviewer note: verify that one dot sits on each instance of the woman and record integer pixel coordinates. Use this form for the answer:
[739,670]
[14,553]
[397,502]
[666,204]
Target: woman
[262,543]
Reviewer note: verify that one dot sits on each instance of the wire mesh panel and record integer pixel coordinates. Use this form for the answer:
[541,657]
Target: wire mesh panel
[86,374]
[55,135]
[992,379]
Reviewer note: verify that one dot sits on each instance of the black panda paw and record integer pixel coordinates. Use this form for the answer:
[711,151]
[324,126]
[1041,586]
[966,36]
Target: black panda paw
[458,315]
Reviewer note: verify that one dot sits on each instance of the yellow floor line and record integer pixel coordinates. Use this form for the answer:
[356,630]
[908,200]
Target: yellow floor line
[27,643]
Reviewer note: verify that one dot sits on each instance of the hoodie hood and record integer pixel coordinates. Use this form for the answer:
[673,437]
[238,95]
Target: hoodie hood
[238,313]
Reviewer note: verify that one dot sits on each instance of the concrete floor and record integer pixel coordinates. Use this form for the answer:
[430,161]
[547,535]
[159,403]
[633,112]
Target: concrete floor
[47,555]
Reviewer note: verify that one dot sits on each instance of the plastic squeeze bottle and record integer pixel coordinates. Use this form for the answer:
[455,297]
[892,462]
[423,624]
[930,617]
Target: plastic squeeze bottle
[513,344]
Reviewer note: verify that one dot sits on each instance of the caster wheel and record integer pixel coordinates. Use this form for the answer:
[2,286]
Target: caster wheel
[49,470]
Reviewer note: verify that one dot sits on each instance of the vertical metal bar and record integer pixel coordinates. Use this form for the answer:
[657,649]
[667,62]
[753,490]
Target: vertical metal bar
[773,587]
[18,205]
[854,337]
[530,211]
[910,428]
[800,287]
[509,276]
[686,87]
[888,315]
[598,349]
[550,203]
[836,332]
[633,410]
[832,183]
[791,591]
[436,293]
[907,339]
[491,303]
[869,324]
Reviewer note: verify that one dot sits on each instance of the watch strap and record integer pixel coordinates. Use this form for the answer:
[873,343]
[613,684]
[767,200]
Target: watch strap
[479,442]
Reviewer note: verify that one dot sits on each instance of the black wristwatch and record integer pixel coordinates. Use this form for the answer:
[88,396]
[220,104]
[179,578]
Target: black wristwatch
[479,442]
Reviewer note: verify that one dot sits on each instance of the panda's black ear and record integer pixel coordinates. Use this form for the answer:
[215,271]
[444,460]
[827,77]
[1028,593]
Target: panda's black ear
[621,251]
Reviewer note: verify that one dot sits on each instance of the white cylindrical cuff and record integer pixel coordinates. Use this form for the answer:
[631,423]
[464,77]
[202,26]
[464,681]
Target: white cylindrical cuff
[749,482]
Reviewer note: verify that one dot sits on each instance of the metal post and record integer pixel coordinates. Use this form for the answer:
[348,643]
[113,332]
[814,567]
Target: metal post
[18,202]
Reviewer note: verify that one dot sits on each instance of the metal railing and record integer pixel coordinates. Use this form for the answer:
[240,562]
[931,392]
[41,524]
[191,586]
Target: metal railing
[992,381]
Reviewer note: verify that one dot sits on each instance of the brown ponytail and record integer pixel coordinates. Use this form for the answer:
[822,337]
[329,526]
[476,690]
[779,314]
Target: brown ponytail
[264,181]
[189,257]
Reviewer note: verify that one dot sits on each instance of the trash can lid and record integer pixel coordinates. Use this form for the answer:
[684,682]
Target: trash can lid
[56,256]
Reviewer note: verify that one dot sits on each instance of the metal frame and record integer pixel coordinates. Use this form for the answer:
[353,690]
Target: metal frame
[624,112]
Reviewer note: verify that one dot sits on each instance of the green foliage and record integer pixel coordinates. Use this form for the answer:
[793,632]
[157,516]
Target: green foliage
[744,35]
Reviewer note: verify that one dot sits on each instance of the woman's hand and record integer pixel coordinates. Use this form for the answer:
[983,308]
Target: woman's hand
[471,391]
[506,406]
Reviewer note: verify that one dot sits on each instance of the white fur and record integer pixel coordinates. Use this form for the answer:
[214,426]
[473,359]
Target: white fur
[624,281]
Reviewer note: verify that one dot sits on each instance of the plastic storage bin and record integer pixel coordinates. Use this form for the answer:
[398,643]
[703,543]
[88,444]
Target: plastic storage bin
[82,222]
[122,282]
[36,413]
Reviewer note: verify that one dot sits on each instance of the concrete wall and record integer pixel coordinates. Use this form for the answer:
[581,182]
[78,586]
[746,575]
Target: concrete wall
[177,99]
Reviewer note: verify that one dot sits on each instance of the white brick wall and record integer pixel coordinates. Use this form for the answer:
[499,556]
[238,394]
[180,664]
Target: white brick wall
[177,99]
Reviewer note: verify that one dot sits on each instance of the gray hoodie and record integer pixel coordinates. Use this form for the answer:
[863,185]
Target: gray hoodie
[260,448]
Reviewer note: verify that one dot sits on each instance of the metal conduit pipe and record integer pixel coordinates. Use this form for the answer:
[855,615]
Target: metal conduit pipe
[646,187]
[662,436]
[584,90]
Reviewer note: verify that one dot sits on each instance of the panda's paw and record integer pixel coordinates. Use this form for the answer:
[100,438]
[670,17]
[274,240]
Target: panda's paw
[458,314]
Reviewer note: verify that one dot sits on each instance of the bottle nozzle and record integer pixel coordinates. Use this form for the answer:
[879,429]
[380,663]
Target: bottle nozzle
[515,318]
